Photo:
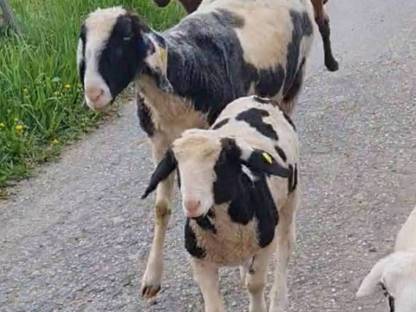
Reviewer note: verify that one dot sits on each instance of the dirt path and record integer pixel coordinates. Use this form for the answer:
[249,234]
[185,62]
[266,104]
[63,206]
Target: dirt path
[76,237]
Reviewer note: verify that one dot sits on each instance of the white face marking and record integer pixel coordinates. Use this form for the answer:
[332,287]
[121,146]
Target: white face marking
[196,156]
[99,25]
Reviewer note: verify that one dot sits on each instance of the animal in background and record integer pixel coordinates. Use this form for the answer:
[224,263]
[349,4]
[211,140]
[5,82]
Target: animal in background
[321,19]
[395,275]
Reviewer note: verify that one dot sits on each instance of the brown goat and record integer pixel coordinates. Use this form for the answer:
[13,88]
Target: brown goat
[321,19]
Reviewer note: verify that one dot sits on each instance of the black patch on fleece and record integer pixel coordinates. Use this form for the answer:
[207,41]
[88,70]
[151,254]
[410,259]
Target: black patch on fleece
[124,53]
[289,120]
[302,26]
[191,243]
[254,117]
[262,100]
[297,84]
[81,68]
[247,199]
[220,123]
[145,117]
[206,63]
[270,81]
[293,178]
[281,153]
[206,224]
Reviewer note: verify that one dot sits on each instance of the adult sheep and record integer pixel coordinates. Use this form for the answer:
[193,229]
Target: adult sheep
[239,186]
[186,75]
[395,275]
[321,19]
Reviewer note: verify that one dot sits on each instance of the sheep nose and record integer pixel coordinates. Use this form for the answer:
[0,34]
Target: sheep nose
[192,208]
[94,93]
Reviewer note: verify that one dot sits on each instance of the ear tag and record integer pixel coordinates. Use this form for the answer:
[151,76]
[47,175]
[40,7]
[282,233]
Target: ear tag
[267,158]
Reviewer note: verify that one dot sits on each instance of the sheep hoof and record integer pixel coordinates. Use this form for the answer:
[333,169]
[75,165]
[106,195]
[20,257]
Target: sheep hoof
[331,65]
[150,291]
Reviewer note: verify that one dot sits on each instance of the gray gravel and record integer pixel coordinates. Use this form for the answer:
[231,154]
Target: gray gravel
[76,237]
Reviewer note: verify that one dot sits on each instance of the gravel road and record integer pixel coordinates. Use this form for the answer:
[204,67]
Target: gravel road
[76,237]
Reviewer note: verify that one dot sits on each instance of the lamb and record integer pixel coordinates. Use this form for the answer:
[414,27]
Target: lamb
[321,19]
[239,193]
[395,274]
[186,75]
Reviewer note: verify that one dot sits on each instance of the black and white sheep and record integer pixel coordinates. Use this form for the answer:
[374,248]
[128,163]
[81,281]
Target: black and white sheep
[395,275]
[186,75]
[238,182]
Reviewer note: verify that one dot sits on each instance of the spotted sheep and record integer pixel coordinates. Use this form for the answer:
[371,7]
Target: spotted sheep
[186,75]
[395,275]
[321,19]
[239,187]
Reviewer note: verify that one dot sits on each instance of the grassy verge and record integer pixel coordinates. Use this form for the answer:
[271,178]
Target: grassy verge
[40,97]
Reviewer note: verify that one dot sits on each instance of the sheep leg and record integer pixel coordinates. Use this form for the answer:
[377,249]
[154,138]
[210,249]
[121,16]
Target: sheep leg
[151,282]
[291,96]
[257,278]
[322,20]
[285,243]
[206,275]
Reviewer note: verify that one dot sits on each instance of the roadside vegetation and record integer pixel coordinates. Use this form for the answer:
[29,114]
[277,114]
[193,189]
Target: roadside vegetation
[40,96]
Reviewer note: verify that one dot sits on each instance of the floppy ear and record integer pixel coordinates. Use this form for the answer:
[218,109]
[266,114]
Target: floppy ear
[165,167]
[157,60]
[372,281]
[255,159]
[264,162]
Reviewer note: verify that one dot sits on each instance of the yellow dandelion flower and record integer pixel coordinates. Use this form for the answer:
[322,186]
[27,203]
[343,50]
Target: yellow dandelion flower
[55,141]
[2,125]
[67,86]
[19,129]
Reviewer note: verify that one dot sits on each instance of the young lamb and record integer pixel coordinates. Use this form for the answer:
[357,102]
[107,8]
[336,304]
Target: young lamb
[186,75]
[239,194]
[321,19]
[395,275]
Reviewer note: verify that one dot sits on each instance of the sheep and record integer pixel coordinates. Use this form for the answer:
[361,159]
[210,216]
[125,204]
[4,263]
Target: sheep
[321,19]
[186,75]
[239,187]
[395,274]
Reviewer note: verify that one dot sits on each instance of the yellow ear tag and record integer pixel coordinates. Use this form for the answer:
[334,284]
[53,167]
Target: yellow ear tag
[267,157]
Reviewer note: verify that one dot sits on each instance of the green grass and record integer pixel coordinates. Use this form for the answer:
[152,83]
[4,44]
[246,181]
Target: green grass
[40,96]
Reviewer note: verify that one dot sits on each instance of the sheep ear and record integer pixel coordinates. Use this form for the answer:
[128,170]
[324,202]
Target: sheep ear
[157,60]
[372,281]
[165,167]
[255,159]
[264,162]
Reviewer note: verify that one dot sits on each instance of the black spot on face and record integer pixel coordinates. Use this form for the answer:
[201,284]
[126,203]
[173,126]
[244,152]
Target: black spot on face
[248,199]
[220,124]
[145,117]
[254,117]
[124,53]
[191,243]
[302,26]
[281,153]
